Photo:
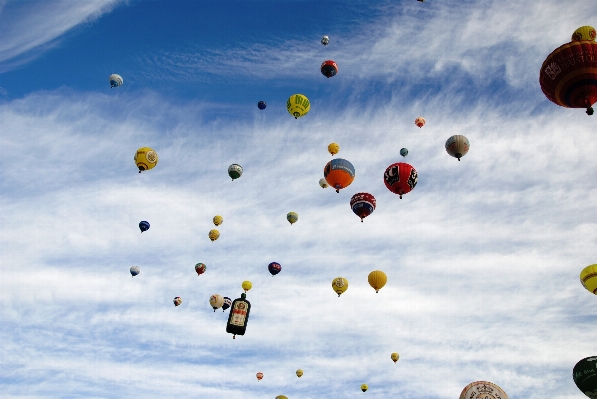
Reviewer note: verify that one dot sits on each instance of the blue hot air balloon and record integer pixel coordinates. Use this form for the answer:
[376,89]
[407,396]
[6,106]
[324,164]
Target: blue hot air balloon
[261,105]
[144,226]
[403,152]
[274,268]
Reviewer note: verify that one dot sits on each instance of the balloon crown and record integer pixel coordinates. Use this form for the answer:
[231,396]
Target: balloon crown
[485,389]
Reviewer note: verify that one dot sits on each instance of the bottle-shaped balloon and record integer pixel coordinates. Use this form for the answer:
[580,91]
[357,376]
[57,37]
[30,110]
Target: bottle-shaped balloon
[235,171]
[259,376]
[329,68]
[400,178]
[333,148]
[363,204]
[200,268]
[377,279]
[584,375]
[246,285]
[218,220]
[339,173]
[146,159]
[340,285]
[588,278]
[484,389]
[115,80]
[274,268]
[216,301]
[420,121]
[261,105]
[213,235]
[394,356]
[403,152]
[292,217]
[364,387]
[325,40]
[298,105]
[227,303]
[457,146]
[299,373]
[135,270]
[177,301]
[143,226]
[239,316]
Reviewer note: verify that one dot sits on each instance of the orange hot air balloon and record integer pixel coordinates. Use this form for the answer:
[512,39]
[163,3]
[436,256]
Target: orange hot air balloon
[339,173]
[259,376]
[420,121]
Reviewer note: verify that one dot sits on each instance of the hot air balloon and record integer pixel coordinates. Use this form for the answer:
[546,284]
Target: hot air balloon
[323,183]
[585,376]
[261,105]
[135,270]
[569,73]
[292,217]
[143,226]
[299,373]
[200,268]
[216,301]
[329,68]
[400,178]
[420,121]
[364,387]
[362,204]
[213,235]
[395,357]
[227,303]
[274,268]
[483,389]
[115,80]
[457,146]
[177,301]
[333,148]
[218,220]
[281,397]
[239,315]
[377,279]
[340,285]
[247,285]
[298,105]
[325,40]
[403,152]
[259,376]
[339,173]
[588,278]
[146,158]
[235,171]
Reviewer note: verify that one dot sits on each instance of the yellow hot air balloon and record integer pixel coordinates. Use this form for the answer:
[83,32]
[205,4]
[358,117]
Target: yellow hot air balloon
[247,285]
[340,285]
[299,373]
[333,148]
[364,387]
[292,217]
[395,357]
[298,105]
[281,397]
[377,279]
[584,33]
[218,220]
[146,158]
[588,278]
[214,235]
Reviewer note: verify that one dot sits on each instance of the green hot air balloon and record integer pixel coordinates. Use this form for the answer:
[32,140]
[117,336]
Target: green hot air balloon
[585,376]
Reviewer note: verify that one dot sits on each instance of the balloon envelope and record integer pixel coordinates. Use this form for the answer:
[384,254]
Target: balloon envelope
[363,204]
[115,80]
[323,183]
[177,301]
[483,389]
[400,178]
[213,235]
[298,105]
[135,270]
[333,148]
[247,285]
[395,357]
[377,279]
[146,159]
[200,268]
[457,146]
[585,376]
[339,173]
[420,121]
[403,152]
[216,301]
[235,171]
[218,220]
[340,285]
[329,68]
[292,217]
[274,268]
[259,376]
[364,387]
[261,105]
[325,40]
[227,303]
[299,373]
[588,278]
[143,226]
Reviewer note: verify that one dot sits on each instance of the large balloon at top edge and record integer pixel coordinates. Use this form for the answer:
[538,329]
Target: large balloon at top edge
[568,75]
[298,105]
[584,33]
[585,376]
[483,389]
[400,178]
[274,268]
[339,173]
[329,68]
[363,204]
[457,146]
[145,159]
[115,80]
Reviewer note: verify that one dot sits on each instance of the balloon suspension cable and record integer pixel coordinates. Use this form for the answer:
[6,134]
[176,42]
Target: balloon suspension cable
[337,190]
[234,336]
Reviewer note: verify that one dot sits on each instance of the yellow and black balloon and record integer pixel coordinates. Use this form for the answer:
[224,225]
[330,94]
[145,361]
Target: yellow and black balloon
[364,387]
[340,285]
[298,105]
[588,278]
[214,235]
[146,158]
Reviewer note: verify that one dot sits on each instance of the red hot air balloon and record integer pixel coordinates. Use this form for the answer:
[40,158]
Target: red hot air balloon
[400,178]
[568,76]
[362,204]
[329,68]
[259,376]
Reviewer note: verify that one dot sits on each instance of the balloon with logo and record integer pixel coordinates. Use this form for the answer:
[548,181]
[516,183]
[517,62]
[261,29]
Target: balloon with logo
[299,373]
[135,270]
[585,376]
[259,376]
[400,178]
[420,121]
[261,105]
[274,268]
[364,387]
[200,268]
[340,285]
[298,105]
[333,148]
[377,279]
[403,152]
[143,226]
[292,217]
[568,75]
[329,68]
[146,159]
[216,301]
[177,301]
[115,80]
[483,389]
[394,356]
[323,183]
[457,146]
[227,303]
[325,40]
[588,278]
[218,220]
[339,173]
[213,235]
[362,204]
[235,171]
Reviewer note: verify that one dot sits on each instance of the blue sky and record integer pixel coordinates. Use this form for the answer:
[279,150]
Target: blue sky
[483,257]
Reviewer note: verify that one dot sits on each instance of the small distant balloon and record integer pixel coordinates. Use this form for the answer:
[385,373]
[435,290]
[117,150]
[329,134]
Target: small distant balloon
[200,268]
[298,105]
[325,40]
[395,357]
[363,204]
[218,220]
[227,303]
[329,68]
[333,148]
[146,159]
[115,80]
[135,270]
[457,146]
[177,301]
[213,235]
[364,387]
[274,268]
[216,301]
[143,226]
[340,285]
[299,373]
[403,152]
[235,171]
[292,217]
[420,121]
[261,105]
[323,183]
[259,376]
[247,285]
[377,279]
